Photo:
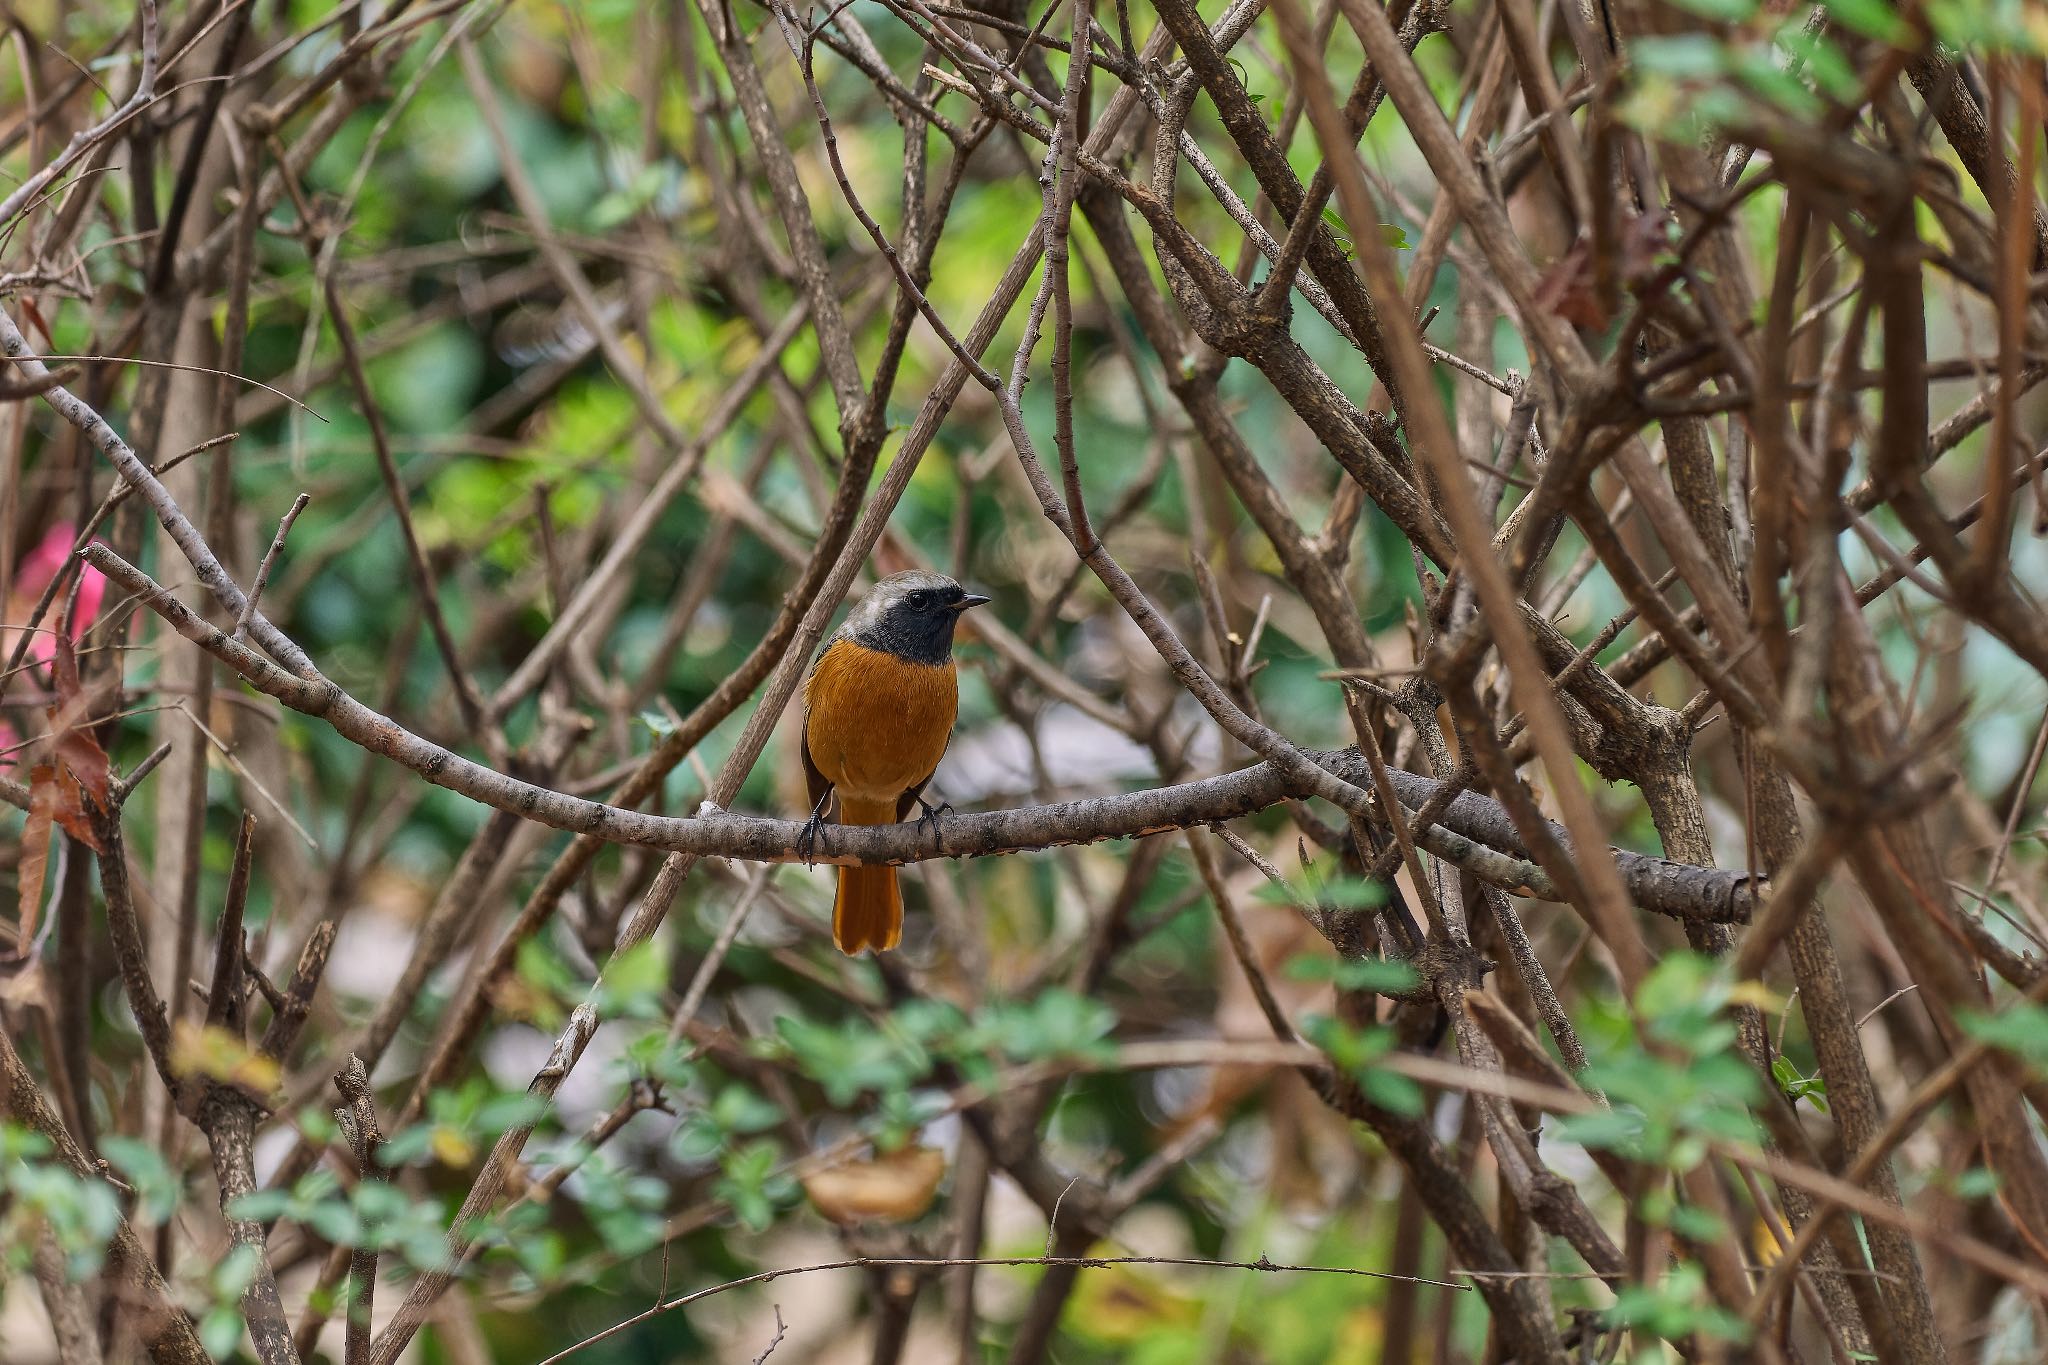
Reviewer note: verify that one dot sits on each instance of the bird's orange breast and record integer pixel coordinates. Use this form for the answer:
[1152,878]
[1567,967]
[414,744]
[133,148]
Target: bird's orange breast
[877,725]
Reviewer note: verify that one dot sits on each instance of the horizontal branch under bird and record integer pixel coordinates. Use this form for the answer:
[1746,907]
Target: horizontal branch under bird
[1681,890]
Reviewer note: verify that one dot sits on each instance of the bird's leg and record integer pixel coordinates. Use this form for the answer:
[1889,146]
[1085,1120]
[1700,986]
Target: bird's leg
[930,815]
[813,832]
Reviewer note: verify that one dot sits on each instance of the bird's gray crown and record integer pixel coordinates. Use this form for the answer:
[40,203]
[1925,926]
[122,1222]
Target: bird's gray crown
[910,615]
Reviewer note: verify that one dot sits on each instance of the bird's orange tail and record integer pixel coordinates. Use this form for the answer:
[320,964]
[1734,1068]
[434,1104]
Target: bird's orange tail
[868,912]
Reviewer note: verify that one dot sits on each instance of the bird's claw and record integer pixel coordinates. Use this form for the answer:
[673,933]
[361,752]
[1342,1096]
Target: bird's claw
[809,838]
[930,815]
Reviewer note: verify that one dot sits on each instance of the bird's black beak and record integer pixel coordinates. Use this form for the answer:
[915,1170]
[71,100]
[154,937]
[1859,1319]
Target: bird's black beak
[973,599]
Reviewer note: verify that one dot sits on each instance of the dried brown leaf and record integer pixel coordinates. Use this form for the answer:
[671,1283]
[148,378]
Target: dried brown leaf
[893,1188]
[1568,289]
[70,728]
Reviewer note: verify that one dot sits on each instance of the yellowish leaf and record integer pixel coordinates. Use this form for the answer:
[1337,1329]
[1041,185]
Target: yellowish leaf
[1756,994]
[452,1146]
[203,1050]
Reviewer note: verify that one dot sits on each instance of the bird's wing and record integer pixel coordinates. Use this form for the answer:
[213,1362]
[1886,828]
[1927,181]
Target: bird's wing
[815,782]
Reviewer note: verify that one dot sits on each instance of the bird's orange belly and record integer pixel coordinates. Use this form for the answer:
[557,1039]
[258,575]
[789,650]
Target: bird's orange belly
[877,725]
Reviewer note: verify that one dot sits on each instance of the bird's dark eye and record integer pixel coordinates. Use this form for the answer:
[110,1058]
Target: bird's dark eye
[920,600]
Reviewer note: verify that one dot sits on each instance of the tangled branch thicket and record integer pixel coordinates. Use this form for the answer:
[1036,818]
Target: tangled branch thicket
[1515,682]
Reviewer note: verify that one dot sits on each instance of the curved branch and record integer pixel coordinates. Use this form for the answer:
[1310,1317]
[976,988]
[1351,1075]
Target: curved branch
[1677,889]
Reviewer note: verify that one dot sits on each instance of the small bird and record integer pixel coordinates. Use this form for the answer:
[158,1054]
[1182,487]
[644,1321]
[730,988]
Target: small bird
[878,712]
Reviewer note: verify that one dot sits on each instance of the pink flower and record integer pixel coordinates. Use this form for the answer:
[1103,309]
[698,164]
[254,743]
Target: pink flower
[34,573]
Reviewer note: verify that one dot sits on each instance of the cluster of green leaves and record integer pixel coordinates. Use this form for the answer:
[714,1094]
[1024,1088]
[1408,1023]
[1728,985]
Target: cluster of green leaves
[41,1197]
[1799,61]
[1353,1050]
[381,1214]
[1679,1084]
[373,1214]
[1675,1306]
[853,1058]
[2020,1028]
[1324,885]
[886,1071]
[1356,1052]
[1676,1084]
[459,1120]
[46,1197]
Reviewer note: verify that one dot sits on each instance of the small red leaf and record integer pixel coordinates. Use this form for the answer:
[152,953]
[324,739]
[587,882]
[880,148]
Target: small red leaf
[64,671]
[35,320]
[83,759]
[70,812]
[70,732]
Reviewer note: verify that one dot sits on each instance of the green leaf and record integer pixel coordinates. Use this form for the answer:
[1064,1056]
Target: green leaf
[1389,976]
[317,1125]
[696,1139]
[260,1206]
[1979,1182]
[407,1147]
[549,983]
[1726,11]
[1612,1130]
[853,1058]
[634,982]
[2020,1028]
[220,1332]
[315,1185]
[1392,1091]
[935,1023]
[336,1222]
[21,1144]
[1823,60]
[628,1232]
[542,1256]
[502,1113]
[1352,893]
[1334,221]
[1686,56]
[896,1120]
[655,1057]
[142,1165]
[750,1185]
[236,1271]
[1056,1024]
[1871,18]
[1338,893]
[1759,70]
[1701,1225]
[739,1109]
[378,1202]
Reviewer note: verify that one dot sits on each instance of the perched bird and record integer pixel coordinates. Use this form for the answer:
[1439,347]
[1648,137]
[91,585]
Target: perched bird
[878,711]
